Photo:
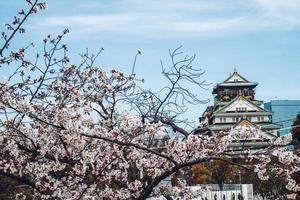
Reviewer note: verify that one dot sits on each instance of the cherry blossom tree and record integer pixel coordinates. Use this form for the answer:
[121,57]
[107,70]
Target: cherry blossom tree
[296,141]
[65,132]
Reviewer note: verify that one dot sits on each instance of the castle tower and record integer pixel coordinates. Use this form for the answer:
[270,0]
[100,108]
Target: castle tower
[235,105]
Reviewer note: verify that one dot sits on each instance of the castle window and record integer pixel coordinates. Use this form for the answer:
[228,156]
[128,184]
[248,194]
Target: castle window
[235,119]
[241,109]
[222,119]
[261,118]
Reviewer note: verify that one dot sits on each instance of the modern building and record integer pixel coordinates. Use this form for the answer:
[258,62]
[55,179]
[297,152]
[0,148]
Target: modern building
[234,106]
[284,113]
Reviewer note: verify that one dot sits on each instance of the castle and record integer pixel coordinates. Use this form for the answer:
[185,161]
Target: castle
[235,106]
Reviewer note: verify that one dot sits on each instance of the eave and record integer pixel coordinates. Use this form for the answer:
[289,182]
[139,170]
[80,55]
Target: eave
[235,114]
[236,84]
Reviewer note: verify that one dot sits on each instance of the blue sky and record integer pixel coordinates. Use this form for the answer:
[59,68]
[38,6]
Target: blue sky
[260,37]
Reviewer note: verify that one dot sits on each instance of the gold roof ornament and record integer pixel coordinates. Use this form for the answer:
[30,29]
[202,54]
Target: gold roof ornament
[234,70]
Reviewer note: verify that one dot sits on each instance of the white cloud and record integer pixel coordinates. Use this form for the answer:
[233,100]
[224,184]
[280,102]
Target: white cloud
[275,6]
[105,22]
[285,12]
[153,5]
[153,26]
[207,26]
[173,18]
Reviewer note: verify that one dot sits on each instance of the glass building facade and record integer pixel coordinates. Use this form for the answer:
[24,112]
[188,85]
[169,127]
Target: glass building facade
[284,113]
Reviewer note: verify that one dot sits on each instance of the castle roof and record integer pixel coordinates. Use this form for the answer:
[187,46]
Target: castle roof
[235,79]
[226,127]
[239,102]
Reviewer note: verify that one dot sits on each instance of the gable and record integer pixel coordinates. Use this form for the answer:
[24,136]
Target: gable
[253,132]
[241,104]
[246,123]
[235,77]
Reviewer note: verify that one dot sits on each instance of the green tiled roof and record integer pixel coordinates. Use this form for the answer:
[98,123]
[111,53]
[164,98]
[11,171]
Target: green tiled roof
[271,126]
[215,127]
[234,114]
[236,84]
[236,99]
[222,103]
[264,126]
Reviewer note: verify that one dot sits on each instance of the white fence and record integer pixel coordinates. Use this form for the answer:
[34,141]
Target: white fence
[229,192]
